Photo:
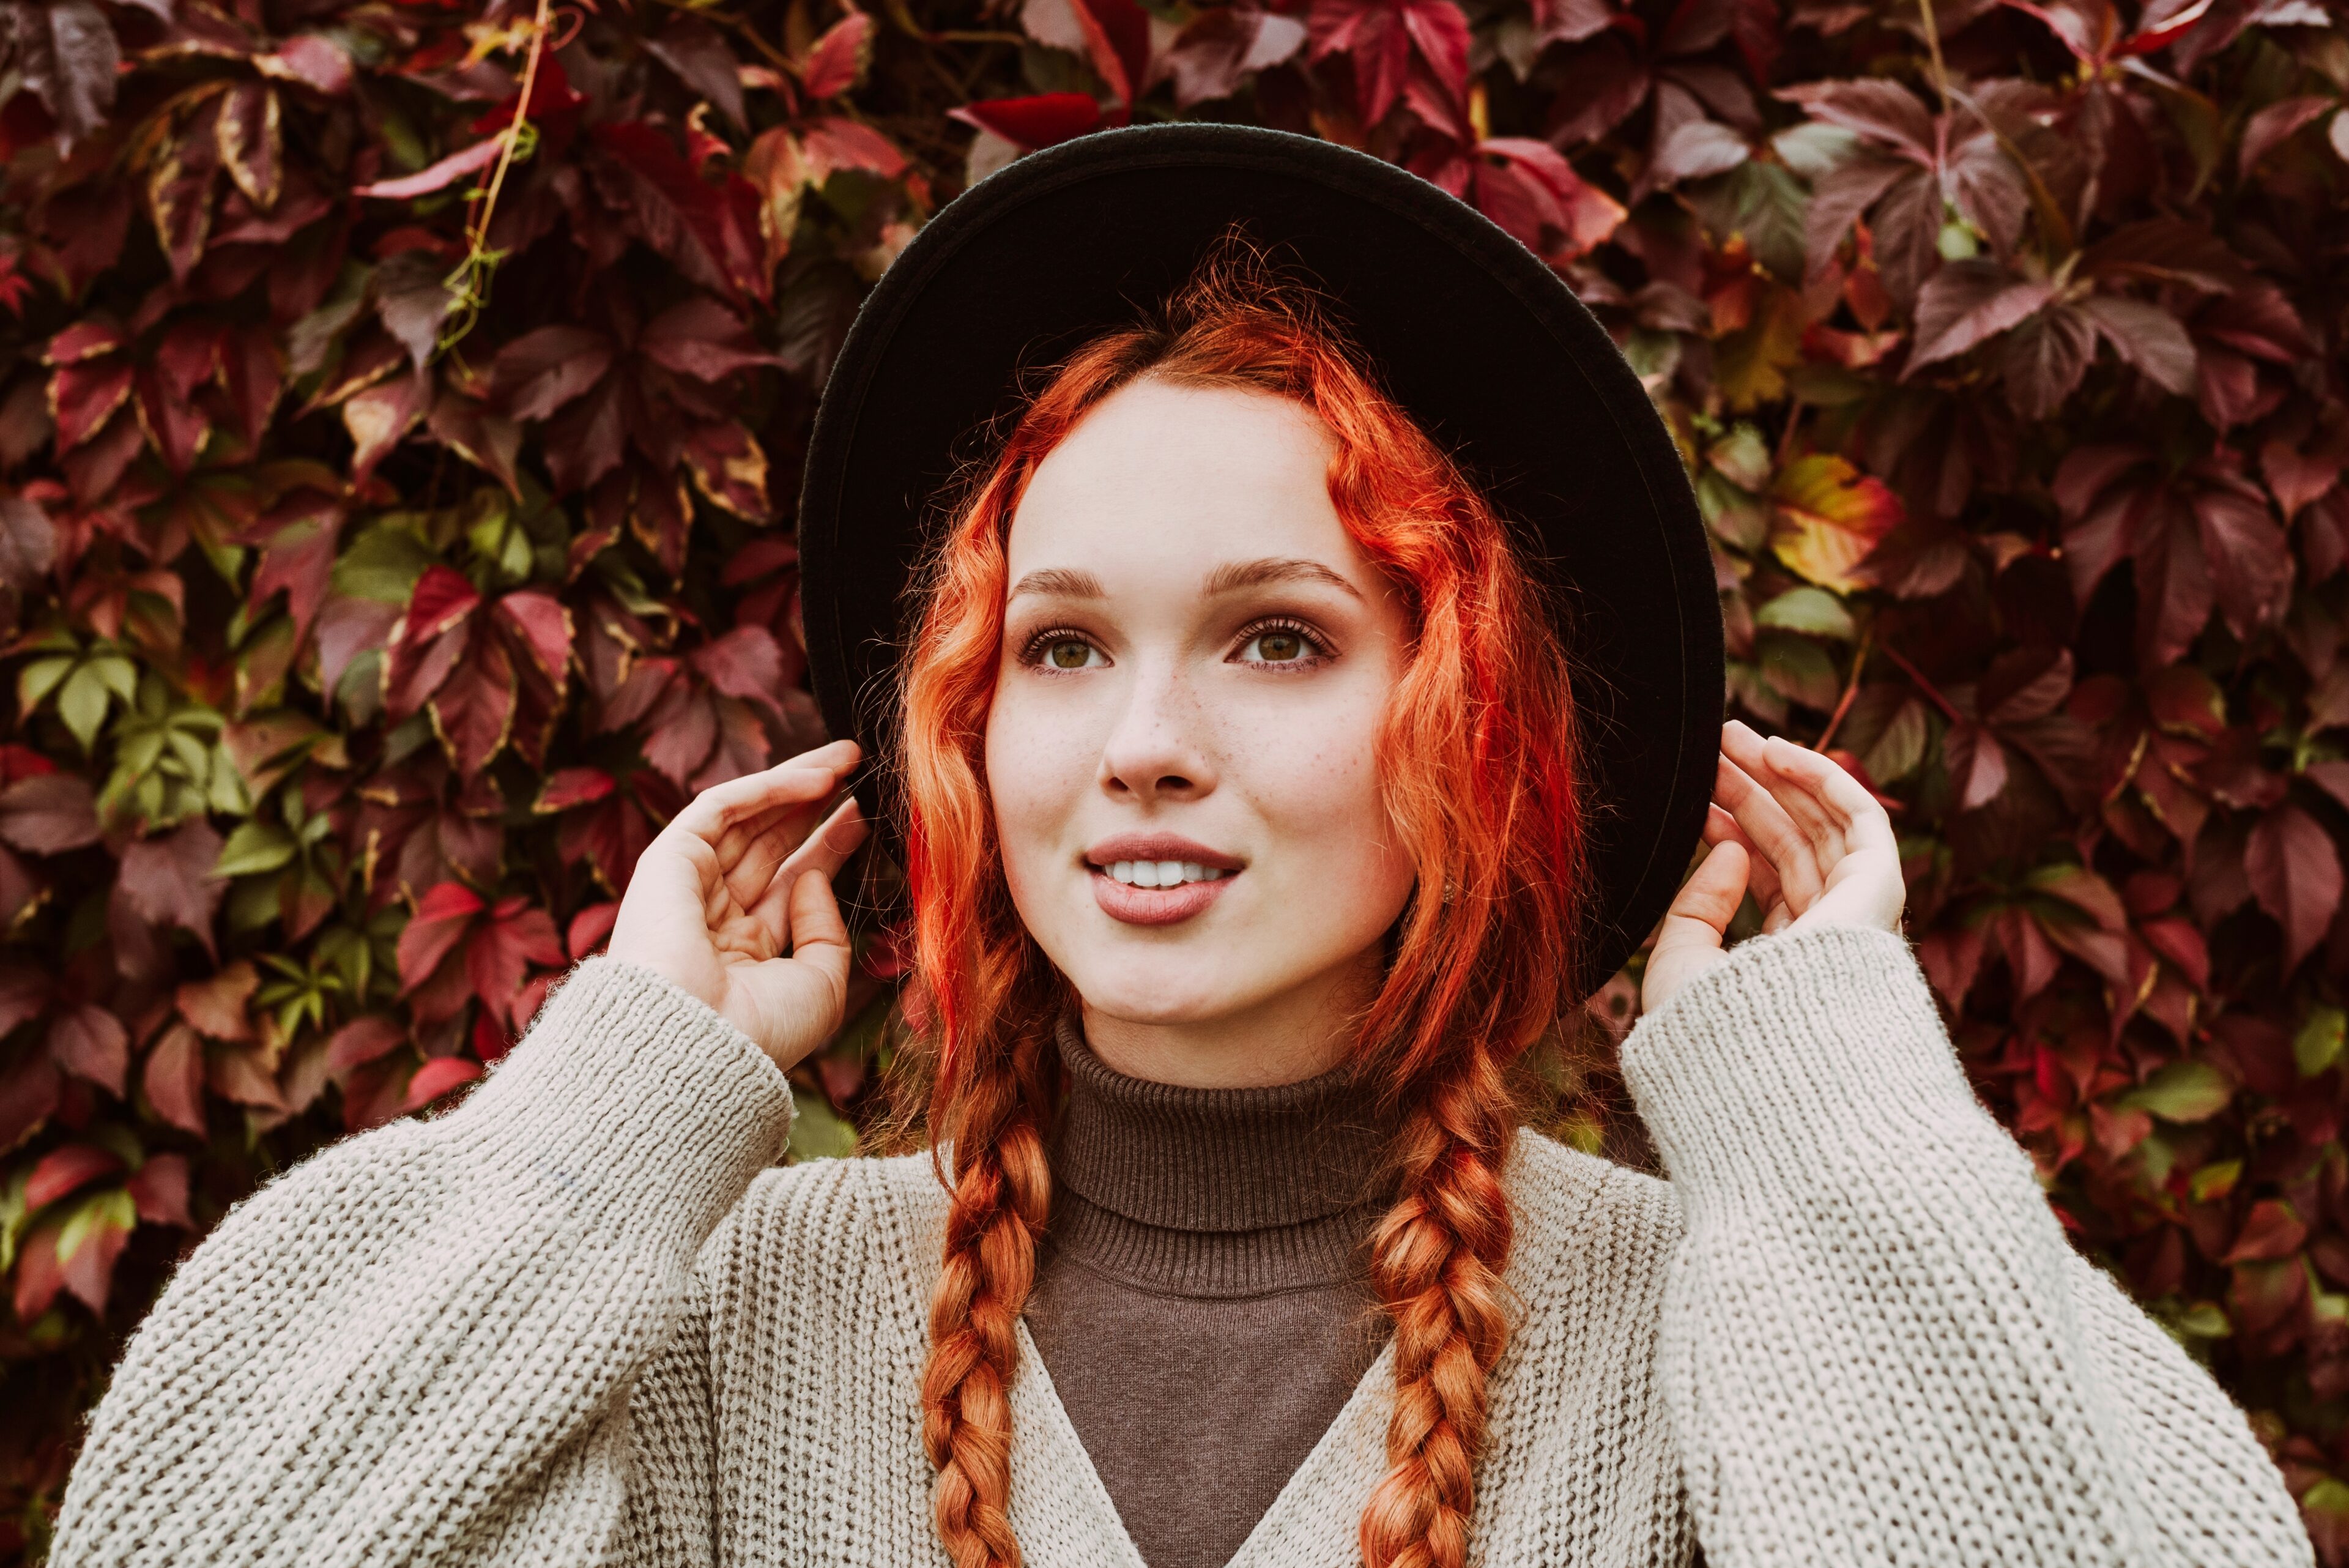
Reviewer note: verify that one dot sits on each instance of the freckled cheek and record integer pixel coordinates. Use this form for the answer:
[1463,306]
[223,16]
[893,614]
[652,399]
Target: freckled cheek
[1039,767]
[1314,783]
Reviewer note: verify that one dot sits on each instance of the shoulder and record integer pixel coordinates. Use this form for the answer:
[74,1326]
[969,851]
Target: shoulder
[1585,1223]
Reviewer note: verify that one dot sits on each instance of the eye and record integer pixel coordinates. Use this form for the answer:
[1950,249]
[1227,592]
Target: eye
[1058,649]
[1283,642]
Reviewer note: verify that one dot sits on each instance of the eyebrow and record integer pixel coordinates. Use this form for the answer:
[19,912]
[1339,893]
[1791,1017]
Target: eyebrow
[1229,577]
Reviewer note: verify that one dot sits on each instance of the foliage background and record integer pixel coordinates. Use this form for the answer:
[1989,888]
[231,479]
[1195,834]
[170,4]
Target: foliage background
[381,562]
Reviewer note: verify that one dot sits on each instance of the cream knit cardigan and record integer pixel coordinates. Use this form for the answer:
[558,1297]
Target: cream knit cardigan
[579,1319]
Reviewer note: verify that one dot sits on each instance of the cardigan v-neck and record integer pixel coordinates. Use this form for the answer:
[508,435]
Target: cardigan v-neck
[1202,1304]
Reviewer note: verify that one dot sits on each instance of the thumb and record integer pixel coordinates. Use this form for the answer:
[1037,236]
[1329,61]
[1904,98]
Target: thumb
[819,936]
[1690,939]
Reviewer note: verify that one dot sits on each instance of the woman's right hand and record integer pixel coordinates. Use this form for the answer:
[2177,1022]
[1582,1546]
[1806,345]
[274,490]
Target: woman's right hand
[737,880]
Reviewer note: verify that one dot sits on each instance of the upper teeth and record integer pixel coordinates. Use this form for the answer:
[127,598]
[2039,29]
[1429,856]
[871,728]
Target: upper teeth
[1163,873]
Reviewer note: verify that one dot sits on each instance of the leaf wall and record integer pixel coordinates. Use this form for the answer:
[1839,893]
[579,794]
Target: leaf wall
[380,563]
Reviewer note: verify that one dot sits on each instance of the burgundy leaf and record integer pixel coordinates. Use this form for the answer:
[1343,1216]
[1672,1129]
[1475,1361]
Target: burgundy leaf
[90,1043]
[169,881]
[2295,873]
[48,813]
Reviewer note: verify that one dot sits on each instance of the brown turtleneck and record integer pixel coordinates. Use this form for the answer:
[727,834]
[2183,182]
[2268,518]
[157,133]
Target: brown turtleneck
[1201,1302]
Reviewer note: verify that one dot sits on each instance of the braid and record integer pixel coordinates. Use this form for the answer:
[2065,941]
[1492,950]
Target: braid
[1436,1259]
[1002,1189]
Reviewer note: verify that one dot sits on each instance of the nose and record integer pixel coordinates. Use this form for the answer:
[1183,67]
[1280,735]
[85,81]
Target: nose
[1155,749]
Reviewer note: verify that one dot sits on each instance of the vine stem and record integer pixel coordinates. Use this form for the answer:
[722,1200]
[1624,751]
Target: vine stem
[515,131]
[1949,710]
[1850,688]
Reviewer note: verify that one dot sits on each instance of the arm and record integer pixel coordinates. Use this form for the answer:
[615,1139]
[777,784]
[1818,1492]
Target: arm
[427,1345]
[420,1346]
[1878,1346]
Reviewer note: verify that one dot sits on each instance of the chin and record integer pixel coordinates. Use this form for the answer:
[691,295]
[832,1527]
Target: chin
[1146,992]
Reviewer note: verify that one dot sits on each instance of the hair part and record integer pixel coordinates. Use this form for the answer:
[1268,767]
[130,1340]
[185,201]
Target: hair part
[1478,758]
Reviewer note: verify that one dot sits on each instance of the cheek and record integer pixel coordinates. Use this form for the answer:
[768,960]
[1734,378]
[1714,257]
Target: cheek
[1315,778]
[1037,764]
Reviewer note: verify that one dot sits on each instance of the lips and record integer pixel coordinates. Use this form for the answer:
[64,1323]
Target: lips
[1155,906]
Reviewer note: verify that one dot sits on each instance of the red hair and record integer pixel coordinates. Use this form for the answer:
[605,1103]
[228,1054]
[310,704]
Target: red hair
[1477,757]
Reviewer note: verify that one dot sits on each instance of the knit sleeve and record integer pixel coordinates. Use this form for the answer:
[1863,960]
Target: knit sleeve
[421,1345]
[1877,1345]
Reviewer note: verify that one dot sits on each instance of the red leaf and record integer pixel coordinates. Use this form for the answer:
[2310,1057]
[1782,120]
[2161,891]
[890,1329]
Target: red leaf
[90,1043]
[701,57]
[436,1078]
[379,417]
[540,371]
[665,203]
[497,959]
[2295,873]
[473,710]
[180,177]
[2148,339]
[174,1078]
[2271,126]
[83,397]
[250,143]
[362,1040]
[746,663]
[168,880]
[68,1169]
[834,143]
[729,467]
[1968,303]
[570,787]
[701,338]
[836,60]
[1117,37]
[28,1098]
[1043,120]
[48,813]
[160,1189]
[590,928]
[2250,562]
[2270,1231]
[442,918]
[426,642]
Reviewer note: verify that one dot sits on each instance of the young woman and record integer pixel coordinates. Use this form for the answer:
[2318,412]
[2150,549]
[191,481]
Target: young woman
[1248,828]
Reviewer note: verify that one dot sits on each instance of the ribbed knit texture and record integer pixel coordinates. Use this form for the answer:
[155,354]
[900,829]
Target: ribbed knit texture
[1202,1305]
[574,1322]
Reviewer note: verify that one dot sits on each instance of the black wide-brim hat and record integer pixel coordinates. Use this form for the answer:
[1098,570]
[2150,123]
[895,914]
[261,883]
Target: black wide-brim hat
[1479,340]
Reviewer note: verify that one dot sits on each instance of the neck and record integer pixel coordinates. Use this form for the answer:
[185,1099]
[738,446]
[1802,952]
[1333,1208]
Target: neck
[1214,1192]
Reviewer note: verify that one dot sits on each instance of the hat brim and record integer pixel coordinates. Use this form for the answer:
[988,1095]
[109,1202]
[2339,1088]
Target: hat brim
[1477,338]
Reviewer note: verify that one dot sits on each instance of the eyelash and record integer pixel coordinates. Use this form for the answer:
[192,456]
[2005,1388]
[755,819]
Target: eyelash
[1032,655]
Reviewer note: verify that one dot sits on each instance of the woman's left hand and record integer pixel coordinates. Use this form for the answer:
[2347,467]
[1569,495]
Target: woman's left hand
[1814,844]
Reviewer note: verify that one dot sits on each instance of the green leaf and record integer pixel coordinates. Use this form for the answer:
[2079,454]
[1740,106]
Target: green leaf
[1812,611]
[2183,1091]
[2205,1320]
[38,679]
[82,703]
[2318,1044]
[254,848]
[382,564]
[817,1130]
[1799,670]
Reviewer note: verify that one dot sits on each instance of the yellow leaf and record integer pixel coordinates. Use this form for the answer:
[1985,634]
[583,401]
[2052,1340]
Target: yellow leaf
[1827,516]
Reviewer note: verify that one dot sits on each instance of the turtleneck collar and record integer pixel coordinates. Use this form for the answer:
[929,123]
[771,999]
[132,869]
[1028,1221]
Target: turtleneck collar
[1213,1191]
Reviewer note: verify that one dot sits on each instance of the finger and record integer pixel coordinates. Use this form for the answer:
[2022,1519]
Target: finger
[1760,875]
[1781,840]
[751,849]
[819,936]
[1710,896]
[825,850]
[1797,771]
[1860,817]
[810,776]
[1750,750]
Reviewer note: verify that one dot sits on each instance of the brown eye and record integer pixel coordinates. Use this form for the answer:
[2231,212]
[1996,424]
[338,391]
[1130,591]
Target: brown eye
[1068,654]
[1280,645]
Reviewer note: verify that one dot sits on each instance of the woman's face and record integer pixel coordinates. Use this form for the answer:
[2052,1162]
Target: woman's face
[1195,660]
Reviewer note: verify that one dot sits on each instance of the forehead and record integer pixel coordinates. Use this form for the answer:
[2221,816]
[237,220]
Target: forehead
[1164,478]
